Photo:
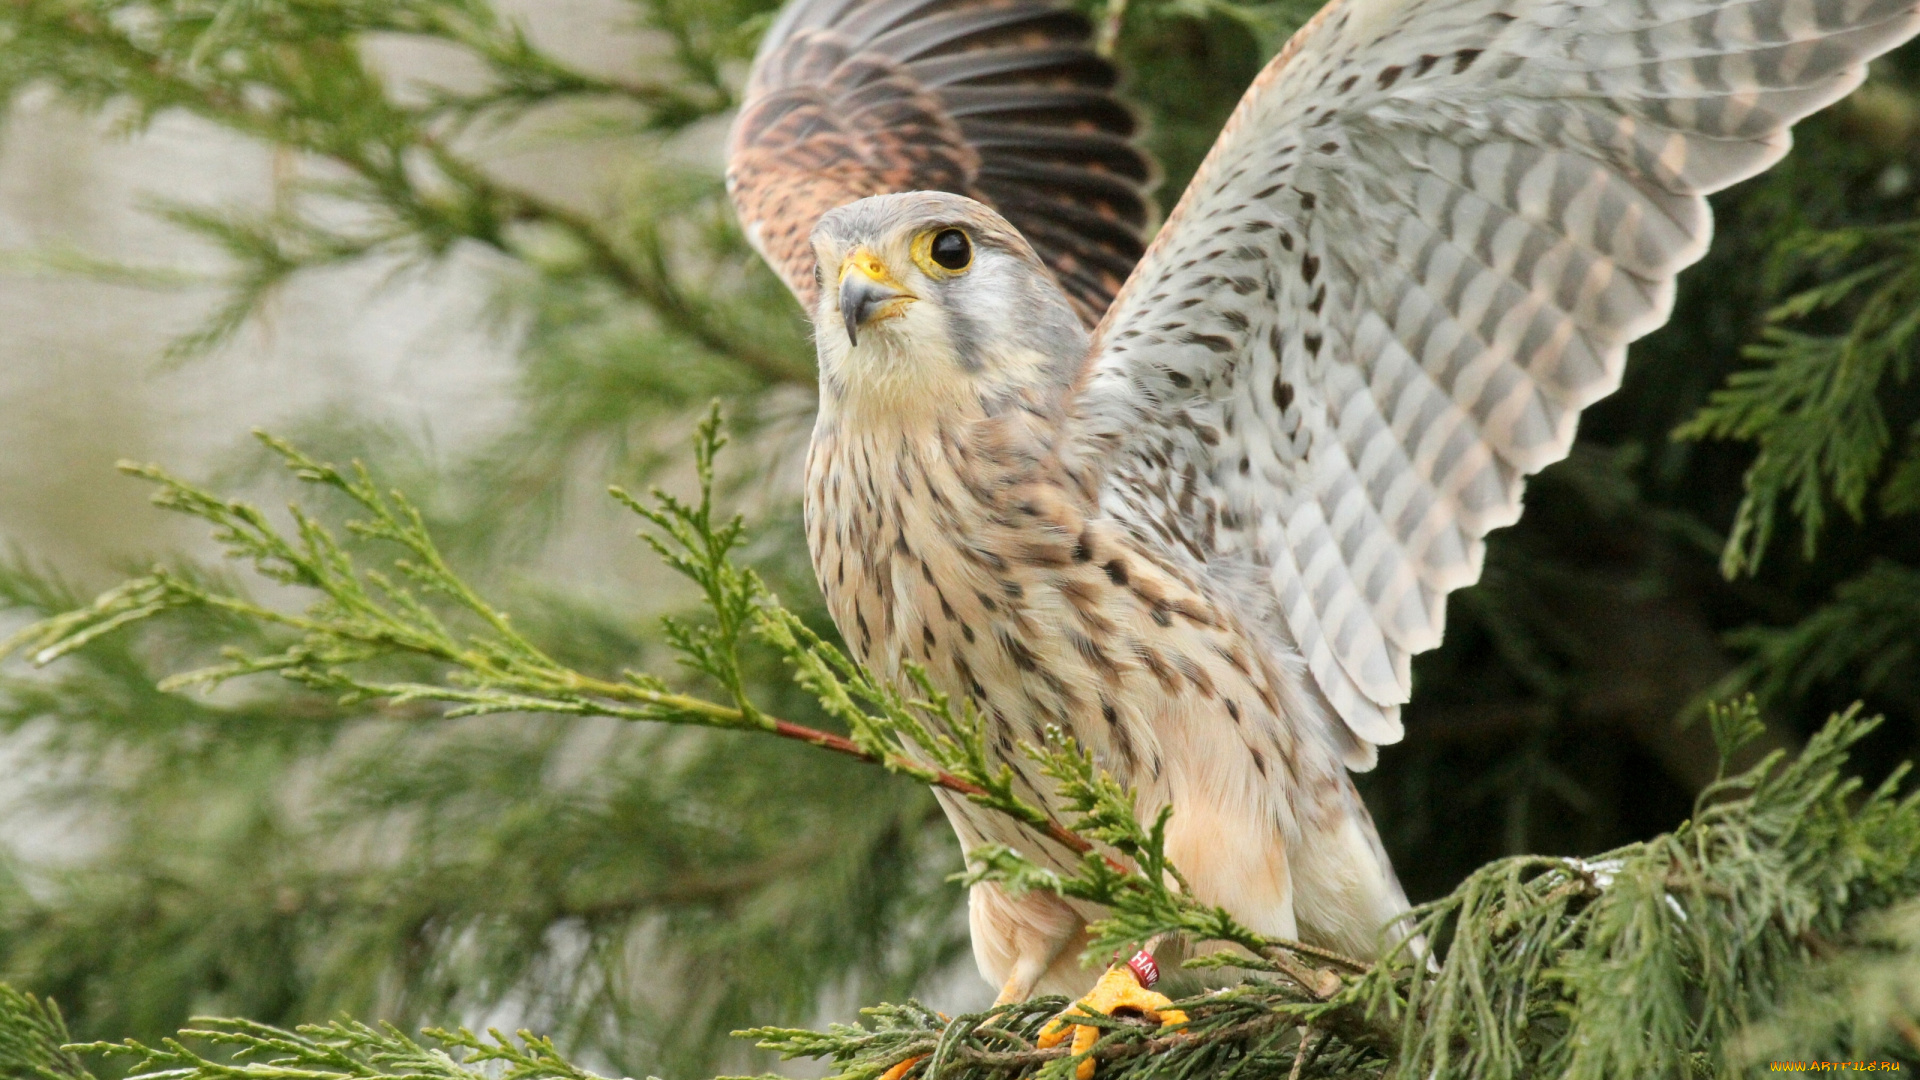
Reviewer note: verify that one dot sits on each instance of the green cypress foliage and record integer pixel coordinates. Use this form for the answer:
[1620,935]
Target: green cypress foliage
[333,776]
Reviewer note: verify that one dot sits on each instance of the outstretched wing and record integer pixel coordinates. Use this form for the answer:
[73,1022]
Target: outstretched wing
[1417,251]
[1003,101]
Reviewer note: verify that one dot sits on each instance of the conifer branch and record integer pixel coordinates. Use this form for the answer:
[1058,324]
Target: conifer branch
[342,1050]
[365,617]
[291,74]
[1870,630]
[34,1040]
[1707,950]
[1811,402]
[1653,959]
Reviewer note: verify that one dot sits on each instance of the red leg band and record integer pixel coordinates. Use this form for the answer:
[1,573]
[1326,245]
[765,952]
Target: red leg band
[1144,969]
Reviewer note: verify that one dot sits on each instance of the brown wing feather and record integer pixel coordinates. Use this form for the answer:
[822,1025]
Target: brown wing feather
[1003,101]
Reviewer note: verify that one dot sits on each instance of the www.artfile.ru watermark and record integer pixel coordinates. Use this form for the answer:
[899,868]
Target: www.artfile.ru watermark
[1832,1066]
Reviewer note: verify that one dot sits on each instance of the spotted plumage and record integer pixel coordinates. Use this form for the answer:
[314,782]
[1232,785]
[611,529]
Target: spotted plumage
[1206,537]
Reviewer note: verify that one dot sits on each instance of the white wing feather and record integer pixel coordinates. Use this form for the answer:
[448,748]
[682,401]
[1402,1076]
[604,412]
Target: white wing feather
[1417,251]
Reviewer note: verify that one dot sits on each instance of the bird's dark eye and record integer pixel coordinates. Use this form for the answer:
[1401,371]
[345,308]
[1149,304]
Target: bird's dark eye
[952,249]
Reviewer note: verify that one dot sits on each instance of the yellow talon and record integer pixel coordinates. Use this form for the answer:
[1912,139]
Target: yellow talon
[1116,992]
[900,1070]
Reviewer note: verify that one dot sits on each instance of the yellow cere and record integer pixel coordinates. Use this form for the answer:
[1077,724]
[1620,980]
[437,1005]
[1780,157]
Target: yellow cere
[864,260]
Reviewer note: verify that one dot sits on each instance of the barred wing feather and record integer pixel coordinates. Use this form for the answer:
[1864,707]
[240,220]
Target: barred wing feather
[1417,251]
[1004,101]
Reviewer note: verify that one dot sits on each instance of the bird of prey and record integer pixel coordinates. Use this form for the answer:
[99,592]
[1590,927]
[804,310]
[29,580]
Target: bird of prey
[1198,503]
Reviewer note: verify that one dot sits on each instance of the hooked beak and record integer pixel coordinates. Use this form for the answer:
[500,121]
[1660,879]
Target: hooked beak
[868,292]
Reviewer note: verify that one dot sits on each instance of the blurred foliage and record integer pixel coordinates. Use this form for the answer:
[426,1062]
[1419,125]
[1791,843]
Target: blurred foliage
[269,852]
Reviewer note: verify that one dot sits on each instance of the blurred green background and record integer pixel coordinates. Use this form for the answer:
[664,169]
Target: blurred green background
[484,247]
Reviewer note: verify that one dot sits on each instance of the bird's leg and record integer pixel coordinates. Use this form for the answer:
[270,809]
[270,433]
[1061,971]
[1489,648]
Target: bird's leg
[1024,942]
[1028,967]
[1126,989]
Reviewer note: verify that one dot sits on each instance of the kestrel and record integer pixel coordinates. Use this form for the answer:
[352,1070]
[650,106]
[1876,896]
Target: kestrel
[1200,512]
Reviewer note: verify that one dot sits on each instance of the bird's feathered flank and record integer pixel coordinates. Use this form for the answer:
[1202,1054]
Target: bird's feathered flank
[1416,253]
[1003,101]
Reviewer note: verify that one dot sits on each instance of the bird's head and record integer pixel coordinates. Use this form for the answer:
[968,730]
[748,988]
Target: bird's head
[930,301]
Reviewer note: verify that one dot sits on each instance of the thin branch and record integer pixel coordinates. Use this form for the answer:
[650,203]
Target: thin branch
[826,740]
